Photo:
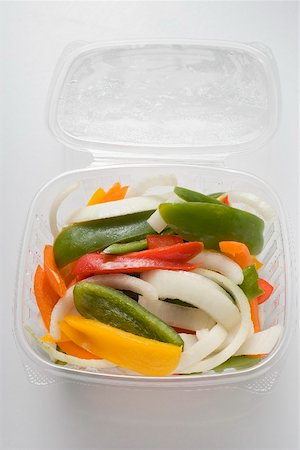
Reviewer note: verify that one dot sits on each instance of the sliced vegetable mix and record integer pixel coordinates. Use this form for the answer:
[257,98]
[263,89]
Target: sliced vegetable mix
[158,284]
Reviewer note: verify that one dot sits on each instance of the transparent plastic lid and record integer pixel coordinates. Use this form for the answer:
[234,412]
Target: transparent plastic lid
[205,97]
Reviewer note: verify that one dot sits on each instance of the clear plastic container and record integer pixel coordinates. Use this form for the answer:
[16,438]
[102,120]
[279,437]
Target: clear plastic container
[161,107]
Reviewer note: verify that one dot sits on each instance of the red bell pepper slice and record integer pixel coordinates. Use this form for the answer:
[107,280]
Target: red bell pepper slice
[177,252]
[97,263]
[225,200]
[165,240]
[267,288]
[184,330]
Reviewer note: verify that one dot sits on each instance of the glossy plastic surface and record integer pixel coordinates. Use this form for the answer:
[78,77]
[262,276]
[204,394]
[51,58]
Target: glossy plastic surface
[182,99]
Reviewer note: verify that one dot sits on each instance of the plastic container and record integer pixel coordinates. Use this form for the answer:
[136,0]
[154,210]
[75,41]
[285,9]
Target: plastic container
[161,107]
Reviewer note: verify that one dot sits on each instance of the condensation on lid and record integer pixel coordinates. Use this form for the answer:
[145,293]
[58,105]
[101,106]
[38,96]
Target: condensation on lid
[206,97]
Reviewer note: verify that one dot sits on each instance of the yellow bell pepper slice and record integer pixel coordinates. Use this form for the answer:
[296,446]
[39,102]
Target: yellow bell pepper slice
[142,355]
[257,263]
[97,197]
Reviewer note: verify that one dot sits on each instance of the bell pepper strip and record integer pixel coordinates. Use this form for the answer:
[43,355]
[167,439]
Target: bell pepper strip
[212,223]
[237,251]
[95,263]
[142,355]
[116,192]
[79,239]
[250,285]
[224,199]
[157,240]
[112,307]
[72,349]
[97,197]
[193,196]
[46,297]
[49,338]
[67,274]
[238,363]
[235,362]
[126,247]
[75,338]
[52,272]
[56,355]
[176,252]
[256,262]
[184,330]
[267,288]
[255,315]
[217,195]
[167,231]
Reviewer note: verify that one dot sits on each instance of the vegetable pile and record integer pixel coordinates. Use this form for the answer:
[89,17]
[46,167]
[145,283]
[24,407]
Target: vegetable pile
[157,284]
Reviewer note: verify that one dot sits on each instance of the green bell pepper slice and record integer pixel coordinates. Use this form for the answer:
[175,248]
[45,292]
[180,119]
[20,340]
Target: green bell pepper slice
[193,196]
[86,237]
[234,362]
[127,247]
[250,285]
[212,223]
[116,309]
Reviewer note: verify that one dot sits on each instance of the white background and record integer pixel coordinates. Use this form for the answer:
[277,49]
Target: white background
[63,416]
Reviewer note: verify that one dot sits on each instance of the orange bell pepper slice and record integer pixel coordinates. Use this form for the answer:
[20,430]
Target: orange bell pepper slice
[46,297]
[72,349]
[74,346]
[237,251]
[116,192]
[52,272]
[254,309]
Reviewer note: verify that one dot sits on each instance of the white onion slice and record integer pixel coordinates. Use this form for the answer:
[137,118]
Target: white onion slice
[148,183]
[117,281]
[176,315]
[114,209]
[219,263]
[197,290]
[55,206]
[262,208]
[262,342]
[243,331]
[156,221]
[188,339]
[64,306]
[201,333]
[204,347]
[231,334]
[55,355]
